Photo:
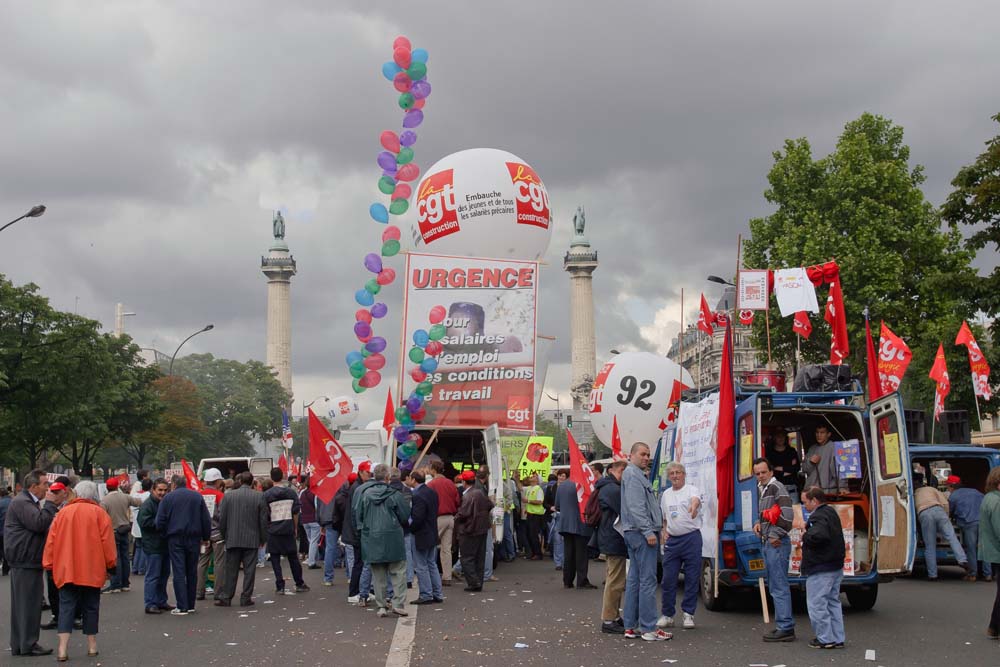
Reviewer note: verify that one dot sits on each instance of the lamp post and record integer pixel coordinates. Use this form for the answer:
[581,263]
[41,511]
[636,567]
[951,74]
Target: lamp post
[35,212]
[721,281]
[209,327]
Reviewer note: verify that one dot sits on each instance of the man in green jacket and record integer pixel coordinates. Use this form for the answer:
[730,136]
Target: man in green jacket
[989,542]
[154,545]
[381,512]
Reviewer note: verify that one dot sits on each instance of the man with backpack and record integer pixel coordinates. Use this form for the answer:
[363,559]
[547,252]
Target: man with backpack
[603,508]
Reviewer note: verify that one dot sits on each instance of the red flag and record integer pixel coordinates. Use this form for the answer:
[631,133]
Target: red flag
[389,417]
[839,347]
[192,479]
[330,463]
[939,373]
[616,441]
[283,464]
[977,362]
[874,385]
[580,473]
[801,324]
[123,478]
[705,317]
[726,431]
[893,359]
[746,317]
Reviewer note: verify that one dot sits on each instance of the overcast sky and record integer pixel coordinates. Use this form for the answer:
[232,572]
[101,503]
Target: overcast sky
[156,132]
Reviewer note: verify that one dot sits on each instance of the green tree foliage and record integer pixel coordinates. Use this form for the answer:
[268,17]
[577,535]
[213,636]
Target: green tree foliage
[862,206]
[180,422]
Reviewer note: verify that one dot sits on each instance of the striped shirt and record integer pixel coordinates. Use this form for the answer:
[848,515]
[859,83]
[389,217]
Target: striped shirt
[771,494]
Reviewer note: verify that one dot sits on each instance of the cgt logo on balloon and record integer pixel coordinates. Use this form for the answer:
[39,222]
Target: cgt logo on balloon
[437,213]
[532,198]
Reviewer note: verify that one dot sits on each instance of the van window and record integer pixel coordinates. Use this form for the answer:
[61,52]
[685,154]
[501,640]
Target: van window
[749,447]
[889,447]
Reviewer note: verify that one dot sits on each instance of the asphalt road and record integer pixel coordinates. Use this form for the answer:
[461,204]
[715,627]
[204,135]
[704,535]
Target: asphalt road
[914,623]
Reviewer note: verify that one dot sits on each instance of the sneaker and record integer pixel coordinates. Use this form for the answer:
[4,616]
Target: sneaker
[302,589]
[816,643]
[285,591]
[328,583]
[362,602]
[780,636]
[656,636]
[382,612]
[209,590]
[665,622]
[166,607]
[688,621]
[612,628]
[353,599]
[631,634]
[178,612]
[124,589]
[399,612]
[153,610]
[104,591]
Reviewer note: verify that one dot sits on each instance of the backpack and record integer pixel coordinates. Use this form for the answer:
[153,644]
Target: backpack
[592,510]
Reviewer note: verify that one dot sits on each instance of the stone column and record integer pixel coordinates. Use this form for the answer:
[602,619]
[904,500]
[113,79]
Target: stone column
[279,267]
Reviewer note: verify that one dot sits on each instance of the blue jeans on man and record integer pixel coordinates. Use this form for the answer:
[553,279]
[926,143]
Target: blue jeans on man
[681,552]
[426,571]
[970,540]
[825,611]
[154,593]
[365,588]
[508,552]
[640,583]
[184,564]
[312,534]
[932,520]
[332,550]
[776,562]
[555,538]
[138,558]
[408,540]
[488,566]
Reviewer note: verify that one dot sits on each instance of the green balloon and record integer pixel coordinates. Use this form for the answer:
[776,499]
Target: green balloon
[372,286]
[358,389]
[406,100]
[357,369]
[402,413]
[390,248]
[424,388]
[408,420]
[405,155]
[416,354]
[436,332]
[409,450]
[386,185]
[365,352]
[398,206]
[416,71]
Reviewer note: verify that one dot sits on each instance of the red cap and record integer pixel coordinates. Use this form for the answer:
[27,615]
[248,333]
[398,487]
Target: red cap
[954,479]
[365,466]
[111,483]
[57,486]
[468,476]
[352,478]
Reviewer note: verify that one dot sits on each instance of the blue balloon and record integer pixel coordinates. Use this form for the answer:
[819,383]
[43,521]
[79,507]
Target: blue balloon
[429,364]
[421,338]
[391,69]
[401,453]
[417,56]
[379,213]
[354,356]
[364,297]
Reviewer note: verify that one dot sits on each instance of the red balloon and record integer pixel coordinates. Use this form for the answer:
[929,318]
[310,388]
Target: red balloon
[419,414]
[437,314]
[402,191]
[365,339]
[419,104]
[402,42]
[418,375]
[374,362]
[385,276]
[391,233]
[417,439]
[433,348]
[363,315]
[402,83]
[408,172]
[401,56]
[370,379]
[389,141]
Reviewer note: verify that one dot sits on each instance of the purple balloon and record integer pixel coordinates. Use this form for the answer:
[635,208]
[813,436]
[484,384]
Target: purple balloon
[379,310]
[387,160]
[401,433]
[413,118]
[420,90]
[390,174]
[362,329]
[413,404]
[407,138]
[373,262]
[376,344]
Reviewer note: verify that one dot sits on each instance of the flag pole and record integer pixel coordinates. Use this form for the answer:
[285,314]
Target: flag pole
[933,423]
[975,398]
[430,441]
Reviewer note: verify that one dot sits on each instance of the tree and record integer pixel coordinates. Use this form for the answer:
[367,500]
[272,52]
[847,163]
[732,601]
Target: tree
[862,206]
[179,422]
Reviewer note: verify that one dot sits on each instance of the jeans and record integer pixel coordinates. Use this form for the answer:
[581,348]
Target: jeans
[363,576]
[332,549]
[426,571]
[932,520]
[138,558]
[776,562]
[488,563]
[408,541]
[555,538]
[154,592]
[86,599]
[120,578]
[312,533]
[970,540]
[640,583]
[507,550]
[386,574]
[681,552]
[825,611]
[184,563]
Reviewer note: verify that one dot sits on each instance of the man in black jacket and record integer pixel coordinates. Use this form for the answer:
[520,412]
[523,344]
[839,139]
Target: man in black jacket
[823,564]
[25,528]
[423,527]
[243,523]
[352,537]
[472,522]
[612,545]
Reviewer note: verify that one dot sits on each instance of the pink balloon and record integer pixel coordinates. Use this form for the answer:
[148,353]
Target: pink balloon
[374,362]
[391,233]
[419,104]
[401,42]
[418,375]
[402,82]
[401,57]
[370,379]
[363,316]
[408,172]
[437,314]
[385,276]
[402,191]
[433,348]
[389,141]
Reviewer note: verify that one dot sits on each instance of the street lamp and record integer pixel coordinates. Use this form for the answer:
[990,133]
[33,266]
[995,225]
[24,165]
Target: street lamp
[170,371]
[721,281]
[36,211]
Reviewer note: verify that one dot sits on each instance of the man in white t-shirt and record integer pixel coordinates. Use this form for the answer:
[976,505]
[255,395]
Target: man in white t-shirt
[681,505]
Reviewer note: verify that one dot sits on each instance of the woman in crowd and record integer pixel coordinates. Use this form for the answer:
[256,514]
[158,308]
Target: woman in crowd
[989,542]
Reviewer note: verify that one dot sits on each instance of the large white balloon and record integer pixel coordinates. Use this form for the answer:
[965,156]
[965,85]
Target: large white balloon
[635,387]
[482,202]
[343,410]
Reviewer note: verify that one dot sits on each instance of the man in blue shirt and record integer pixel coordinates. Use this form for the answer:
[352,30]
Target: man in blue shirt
[963,503]
[182,517]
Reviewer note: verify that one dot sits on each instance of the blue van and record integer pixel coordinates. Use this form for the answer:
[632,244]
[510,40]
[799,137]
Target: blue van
[878,500]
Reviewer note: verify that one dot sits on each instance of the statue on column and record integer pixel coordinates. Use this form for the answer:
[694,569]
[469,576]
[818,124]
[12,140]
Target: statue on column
[579,221]
[279,225]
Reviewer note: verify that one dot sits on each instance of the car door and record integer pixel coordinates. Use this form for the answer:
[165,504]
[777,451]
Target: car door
[893,486]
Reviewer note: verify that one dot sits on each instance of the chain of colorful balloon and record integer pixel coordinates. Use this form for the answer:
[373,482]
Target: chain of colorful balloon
[408,73]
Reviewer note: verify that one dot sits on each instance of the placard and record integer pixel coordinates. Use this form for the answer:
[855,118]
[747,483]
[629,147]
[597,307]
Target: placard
[695,447]
[846,514]
[848,453]
[751,290]
[890,448]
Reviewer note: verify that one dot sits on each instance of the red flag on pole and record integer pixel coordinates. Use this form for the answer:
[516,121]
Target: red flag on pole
[939,373]
[706,318]
[192,479]
[893,359]
[839,346]
[801,324]
[330,463]
[874,385]
[616,441]
[388,417]
[581,474]
[283,464]
[726,431]
[977,362]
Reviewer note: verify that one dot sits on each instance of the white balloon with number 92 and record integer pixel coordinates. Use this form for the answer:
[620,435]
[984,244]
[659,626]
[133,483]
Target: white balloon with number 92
[635,387]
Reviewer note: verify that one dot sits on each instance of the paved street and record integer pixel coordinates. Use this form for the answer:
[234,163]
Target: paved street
[914,623]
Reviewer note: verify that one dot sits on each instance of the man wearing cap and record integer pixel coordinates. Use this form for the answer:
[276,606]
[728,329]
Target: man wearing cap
[964,503]
[118,506]
[212,493]
[472,522]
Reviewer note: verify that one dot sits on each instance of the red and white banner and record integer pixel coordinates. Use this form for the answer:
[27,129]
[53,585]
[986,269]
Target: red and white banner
[977,362]
[486,370]
[751,289]
[328,464]
[706,318]
[581,474]
[190,476]
[893,359]
[939,373]
[801,325]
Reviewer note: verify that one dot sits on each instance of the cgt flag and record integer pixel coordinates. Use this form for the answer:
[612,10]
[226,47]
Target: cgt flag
[330,463]
[616,441]
[581,474]
[192,479]
[977,362]
[706,318]
[939,373]
[725,442]
[283,464]
[801,324]
[893,359]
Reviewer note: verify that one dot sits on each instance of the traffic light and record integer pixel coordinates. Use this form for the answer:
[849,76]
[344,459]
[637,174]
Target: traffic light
[569,421]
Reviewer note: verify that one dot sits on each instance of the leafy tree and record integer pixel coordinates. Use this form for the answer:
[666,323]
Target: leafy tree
[560,443]
[862,206]
[180,421]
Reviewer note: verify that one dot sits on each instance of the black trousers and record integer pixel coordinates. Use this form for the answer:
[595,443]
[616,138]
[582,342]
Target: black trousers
[293,564]
[26,586]
[4,568]
[535,524]
[355,586]
[473,551]
[575,559]
[248,557]
[52,594]
[995,617]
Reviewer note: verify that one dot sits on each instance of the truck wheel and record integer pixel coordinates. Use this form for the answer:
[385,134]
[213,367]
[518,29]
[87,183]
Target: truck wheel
[711,601]
[862,598]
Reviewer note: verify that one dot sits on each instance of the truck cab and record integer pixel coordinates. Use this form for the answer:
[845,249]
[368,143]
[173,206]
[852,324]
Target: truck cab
[874,501]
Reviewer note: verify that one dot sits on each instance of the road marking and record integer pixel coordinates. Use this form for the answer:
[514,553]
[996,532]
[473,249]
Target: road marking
[401,647]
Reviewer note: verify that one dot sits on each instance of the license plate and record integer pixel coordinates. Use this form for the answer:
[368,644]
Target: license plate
[757,564]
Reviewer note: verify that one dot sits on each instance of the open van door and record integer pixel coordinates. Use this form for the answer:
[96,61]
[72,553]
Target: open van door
[260,467]
[893,485]
[494,459]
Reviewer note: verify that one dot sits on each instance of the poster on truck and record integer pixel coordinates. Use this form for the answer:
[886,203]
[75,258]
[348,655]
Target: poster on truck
[486,369]
[694,447]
